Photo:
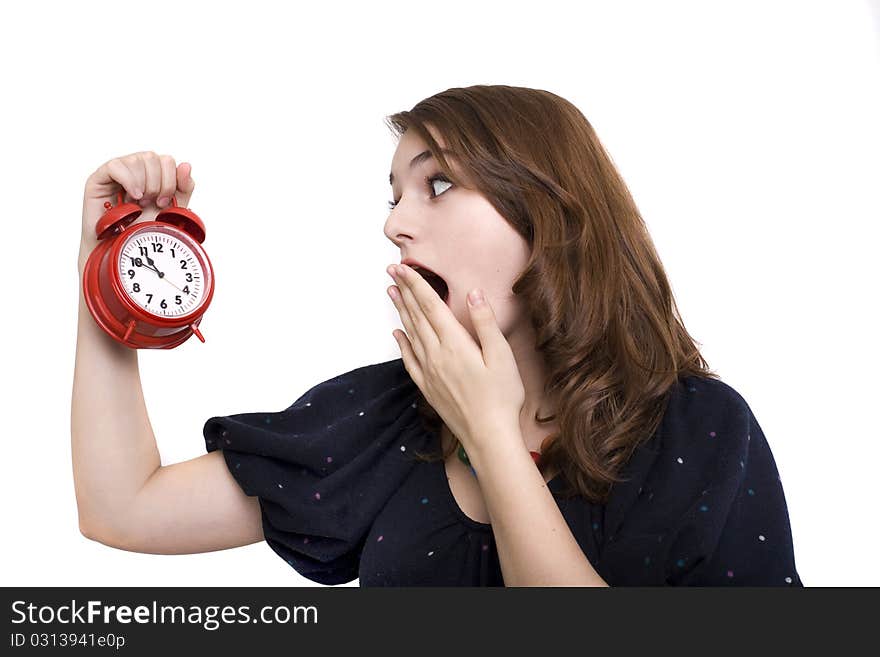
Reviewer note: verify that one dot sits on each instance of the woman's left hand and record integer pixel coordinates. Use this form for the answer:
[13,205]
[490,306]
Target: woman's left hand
[475,388]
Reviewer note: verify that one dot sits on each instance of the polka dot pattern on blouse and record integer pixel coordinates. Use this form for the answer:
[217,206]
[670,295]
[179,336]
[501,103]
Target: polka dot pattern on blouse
[342,496]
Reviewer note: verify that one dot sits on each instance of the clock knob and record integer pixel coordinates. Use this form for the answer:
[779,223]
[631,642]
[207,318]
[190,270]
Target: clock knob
[114,220]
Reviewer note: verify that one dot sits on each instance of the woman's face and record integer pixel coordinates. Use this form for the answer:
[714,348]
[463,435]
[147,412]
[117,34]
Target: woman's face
[456,233]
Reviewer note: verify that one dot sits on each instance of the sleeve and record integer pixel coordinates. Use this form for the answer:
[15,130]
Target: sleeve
[323,468]
[736,530]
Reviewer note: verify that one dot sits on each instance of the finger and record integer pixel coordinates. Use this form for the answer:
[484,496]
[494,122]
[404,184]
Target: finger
[410,362]
[168,184]
[411,290]
[486,325]
[405,318]
[153,175]
[422,335]
[122,175]
[136,166]
[185,184]
[435,311]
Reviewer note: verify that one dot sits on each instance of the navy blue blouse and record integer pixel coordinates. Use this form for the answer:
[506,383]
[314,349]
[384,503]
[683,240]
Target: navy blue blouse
[342,496]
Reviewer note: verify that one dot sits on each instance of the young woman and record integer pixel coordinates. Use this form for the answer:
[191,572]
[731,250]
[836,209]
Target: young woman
[564,431]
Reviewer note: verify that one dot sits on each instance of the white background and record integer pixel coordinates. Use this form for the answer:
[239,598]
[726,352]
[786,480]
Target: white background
[747,132]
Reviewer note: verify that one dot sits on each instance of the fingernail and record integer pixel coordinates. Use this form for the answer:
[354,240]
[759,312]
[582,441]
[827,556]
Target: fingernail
[163,201]
[475,297]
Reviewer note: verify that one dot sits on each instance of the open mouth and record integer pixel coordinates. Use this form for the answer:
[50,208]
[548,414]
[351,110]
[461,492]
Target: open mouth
[435,281]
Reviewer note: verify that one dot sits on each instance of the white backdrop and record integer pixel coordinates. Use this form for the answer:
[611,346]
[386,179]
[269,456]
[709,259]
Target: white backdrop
[746,131]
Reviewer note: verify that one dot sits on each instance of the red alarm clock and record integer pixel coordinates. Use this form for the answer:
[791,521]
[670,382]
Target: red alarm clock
[149,285]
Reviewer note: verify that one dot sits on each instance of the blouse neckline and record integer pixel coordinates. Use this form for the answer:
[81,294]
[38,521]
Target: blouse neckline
[446,491]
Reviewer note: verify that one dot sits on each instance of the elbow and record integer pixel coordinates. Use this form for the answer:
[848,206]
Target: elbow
[114,537]
[86,526]
[87,531]
[93,533]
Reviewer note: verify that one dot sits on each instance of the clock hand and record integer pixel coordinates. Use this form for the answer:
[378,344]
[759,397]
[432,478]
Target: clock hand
[134,264]
[161,274]
[153,264]
[169,280]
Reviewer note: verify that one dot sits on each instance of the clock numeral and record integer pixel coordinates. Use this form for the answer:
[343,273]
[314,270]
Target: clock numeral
[136,287]
[172,254]
[157,247]
[150,298]
[143,251]
[186,289]
[183,264]
[163,304]
[130,274]
[189,277]
[177,299]
[136,262]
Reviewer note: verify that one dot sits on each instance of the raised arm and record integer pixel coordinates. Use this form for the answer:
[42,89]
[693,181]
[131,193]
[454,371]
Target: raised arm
[125,497]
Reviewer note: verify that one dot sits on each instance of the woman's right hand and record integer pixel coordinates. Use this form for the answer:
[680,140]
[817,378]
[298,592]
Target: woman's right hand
[145,178]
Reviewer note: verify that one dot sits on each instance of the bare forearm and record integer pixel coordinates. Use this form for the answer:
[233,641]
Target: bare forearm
[535,545]
[113,448]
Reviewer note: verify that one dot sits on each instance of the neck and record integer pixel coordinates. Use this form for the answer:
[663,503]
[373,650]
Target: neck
[533,372]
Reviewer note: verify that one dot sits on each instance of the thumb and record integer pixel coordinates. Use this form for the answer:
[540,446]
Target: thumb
[185,184]
[484,322]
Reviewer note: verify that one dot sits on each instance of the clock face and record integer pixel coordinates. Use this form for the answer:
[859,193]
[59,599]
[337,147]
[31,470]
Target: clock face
[161,274]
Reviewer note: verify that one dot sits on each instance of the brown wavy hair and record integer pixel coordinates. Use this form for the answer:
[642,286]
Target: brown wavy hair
[598,297]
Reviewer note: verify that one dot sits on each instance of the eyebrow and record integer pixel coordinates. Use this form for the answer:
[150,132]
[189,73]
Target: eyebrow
[418,159]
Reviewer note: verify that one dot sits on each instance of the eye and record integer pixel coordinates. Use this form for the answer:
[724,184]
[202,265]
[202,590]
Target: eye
[429,182]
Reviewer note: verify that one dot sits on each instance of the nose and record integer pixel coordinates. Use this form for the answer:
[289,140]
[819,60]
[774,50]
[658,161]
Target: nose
[400,224]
